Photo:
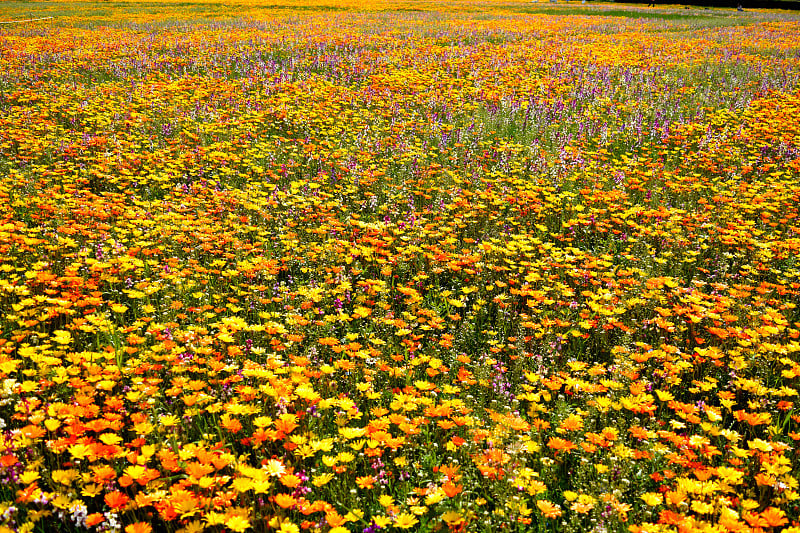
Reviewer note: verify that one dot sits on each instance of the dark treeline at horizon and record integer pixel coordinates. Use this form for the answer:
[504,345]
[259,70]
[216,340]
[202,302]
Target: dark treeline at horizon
[733,4]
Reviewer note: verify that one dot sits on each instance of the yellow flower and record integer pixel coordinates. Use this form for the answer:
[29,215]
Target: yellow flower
[702,507]
[405,521]
[62,337]
[322,479]
[354,515]
[289,527]
[452,518]
[345,457]
[664,396]
[261,486]
[29,477]
[135,471]
[206,482]
[194,527]
[749,505]
[242,484]
[652,498]
[169,421]
[435,497]
[352,433]
[237,524]
[382,521]
[79,451]
[362,312]
[212,518]
[262,421]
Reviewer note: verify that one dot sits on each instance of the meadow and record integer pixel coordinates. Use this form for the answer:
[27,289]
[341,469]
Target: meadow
[455,266]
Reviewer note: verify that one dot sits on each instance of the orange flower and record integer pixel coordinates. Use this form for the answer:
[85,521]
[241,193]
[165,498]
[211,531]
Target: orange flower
[610,434]
[291,481]
[116,499]
[451,489]
[451,471]
[774,517]
[285,501]
[230,423]
[365,482]
[286,424]
[571,423]
[139,527]
[755,520]
[548,509]
[334,519]
[561,445]
[94,519]
[197,470]
[446,424]
[103,474]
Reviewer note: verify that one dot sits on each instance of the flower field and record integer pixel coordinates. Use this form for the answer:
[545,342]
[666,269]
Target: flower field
[447,267]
